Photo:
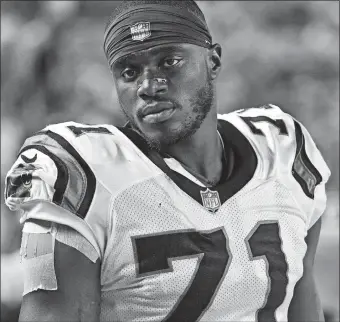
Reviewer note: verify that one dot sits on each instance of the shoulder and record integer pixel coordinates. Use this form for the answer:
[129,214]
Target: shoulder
[261,121]
[72,165]
[280,138]
[58,176]
[60,162]
[263,127]
[286,152]
[75,139]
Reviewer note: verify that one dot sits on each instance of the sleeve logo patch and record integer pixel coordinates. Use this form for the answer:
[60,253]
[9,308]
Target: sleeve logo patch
[19,183]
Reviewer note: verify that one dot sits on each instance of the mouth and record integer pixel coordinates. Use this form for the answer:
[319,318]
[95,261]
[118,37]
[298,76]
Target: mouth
[157,112]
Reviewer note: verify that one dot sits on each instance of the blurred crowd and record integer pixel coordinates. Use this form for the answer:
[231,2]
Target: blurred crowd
[53,69]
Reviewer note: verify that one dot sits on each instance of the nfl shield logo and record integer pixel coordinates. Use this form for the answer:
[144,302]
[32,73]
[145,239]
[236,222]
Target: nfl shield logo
[140,31]
[211,200]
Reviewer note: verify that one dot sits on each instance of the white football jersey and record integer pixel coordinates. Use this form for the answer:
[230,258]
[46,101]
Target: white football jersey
[171,249]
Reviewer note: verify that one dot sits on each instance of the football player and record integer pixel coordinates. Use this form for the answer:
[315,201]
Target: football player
[181,215]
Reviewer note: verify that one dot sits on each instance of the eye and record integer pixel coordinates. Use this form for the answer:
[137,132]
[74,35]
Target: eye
[171,62]
[129,74]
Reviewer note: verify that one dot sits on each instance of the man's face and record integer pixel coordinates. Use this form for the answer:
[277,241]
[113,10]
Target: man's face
[165,113]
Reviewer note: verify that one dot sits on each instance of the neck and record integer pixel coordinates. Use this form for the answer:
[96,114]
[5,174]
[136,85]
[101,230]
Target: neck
[201,154]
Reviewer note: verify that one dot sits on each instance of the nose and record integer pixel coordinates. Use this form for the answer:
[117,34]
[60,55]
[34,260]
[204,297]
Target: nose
[152,87]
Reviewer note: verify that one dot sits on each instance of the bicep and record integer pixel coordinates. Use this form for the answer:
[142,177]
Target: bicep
[306,304]
[312,240]
[77,297]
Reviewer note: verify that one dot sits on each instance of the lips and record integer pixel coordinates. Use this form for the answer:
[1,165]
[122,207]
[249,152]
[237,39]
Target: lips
[157,112]
[155,108]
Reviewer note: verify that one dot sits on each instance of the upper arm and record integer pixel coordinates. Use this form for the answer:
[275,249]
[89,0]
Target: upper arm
[312,240]
[305,304]
[77,297]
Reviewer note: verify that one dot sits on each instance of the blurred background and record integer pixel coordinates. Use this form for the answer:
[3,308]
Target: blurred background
[53,69]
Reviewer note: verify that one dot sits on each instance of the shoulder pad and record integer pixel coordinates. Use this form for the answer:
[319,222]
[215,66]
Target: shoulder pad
[63,174]
[52,180]
[286,151]
[50,168]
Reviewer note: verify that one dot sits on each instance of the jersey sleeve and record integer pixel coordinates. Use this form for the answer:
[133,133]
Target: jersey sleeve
[310,171]
[51,181]
[287,151]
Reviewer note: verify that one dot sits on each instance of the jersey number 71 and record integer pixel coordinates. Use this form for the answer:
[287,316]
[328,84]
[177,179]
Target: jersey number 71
[154,255]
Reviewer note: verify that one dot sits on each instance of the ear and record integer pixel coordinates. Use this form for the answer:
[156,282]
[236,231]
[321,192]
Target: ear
[215,60]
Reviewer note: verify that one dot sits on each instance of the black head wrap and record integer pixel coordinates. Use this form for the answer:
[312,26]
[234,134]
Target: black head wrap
[146,25]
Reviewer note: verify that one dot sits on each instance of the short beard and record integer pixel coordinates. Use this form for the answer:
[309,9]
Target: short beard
[200,104]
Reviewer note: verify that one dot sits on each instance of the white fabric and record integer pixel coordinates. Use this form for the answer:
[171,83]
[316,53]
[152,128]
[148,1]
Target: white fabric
[134,198]
[243,290]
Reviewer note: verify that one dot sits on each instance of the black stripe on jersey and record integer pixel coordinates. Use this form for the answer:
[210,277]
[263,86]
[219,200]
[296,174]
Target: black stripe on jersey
[181,181]
[303,169]
[245,160]
[78,131]
[90,177]
[241,165]
[62,176]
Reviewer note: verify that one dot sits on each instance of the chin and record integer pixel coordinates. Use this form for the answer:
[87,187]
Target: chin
[164,134]
[155,130]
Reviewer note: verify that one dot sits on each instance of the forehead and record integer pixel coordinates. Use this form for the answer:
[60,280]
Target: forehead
[156,52]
